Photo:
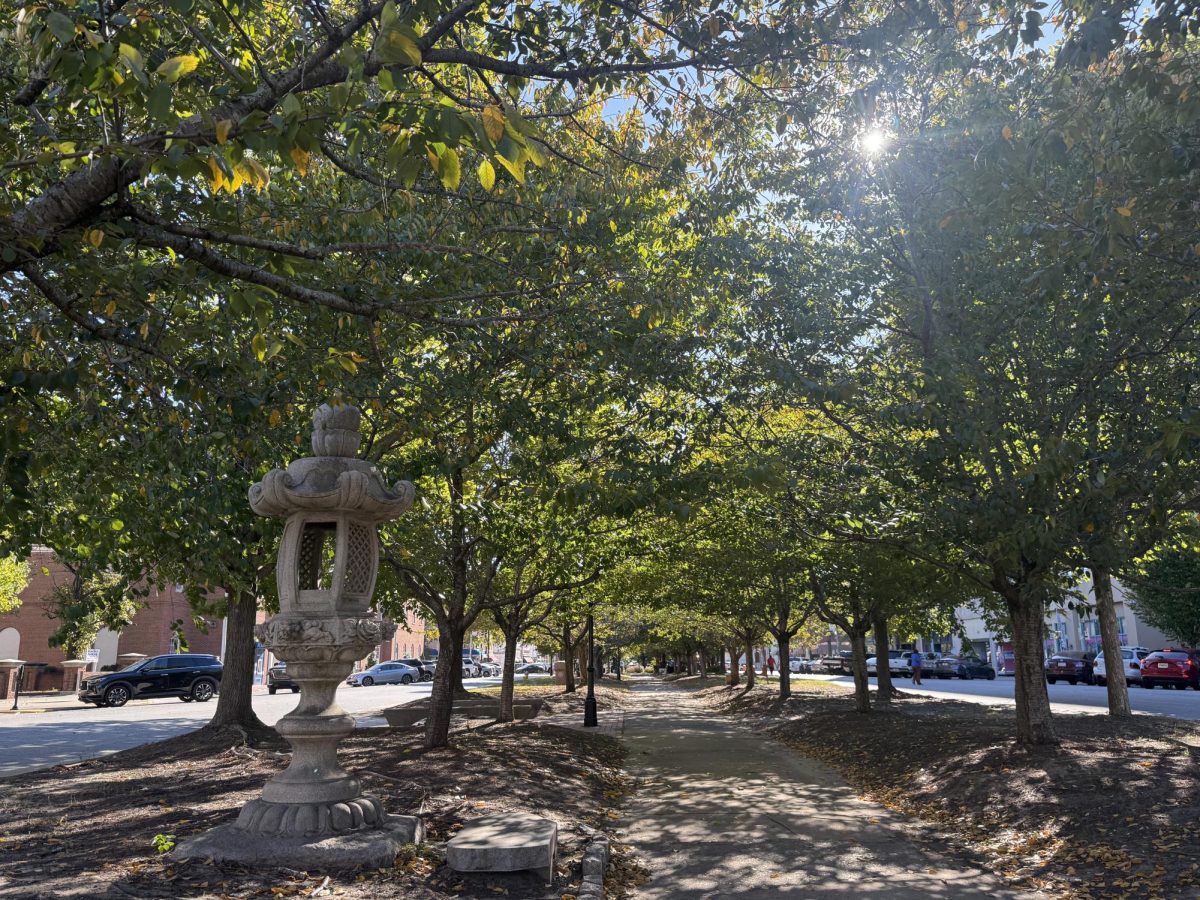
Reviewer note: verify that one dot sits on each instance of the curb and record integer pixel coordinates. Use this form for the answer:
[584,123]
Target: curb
[595,861]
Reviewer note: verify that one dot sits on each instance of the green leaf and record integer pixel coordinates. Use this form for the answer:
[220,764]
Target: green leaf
[259,345]
[62,27]
[176,67]
[132,58]
[487,175]
[395,43]
[159,102]
[449,169]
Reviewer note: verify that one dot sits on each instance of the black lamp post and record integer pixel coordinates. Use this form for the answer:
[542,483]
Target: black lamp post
[589,704]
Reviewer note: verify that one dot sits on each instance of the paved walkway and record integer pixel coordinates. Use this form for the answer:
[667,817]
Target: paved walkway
[723,812]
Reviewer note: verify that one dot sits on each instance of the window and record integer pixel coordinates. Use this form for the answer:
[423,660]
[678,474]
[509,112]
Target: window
[318,545]
[1120,624]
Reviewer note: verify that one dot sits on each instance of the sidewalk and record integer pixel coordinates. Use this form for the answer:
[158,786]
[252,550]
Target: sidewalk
[722,812]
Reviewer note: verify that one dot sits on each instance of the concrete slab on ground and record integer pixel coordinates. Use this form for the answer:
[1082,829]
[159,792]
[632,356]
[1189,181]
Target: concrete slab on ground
[505,842]
[720,811]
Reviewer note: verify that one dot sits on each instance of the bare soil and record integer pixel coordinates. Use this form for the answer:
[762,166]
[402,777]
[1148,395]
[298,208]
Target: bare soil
[1110,811]
[89,829]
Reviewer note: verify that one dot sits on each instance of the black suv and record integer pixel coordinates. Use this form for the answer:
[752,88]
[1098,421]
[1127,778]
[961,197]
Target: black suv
[278,679]
[421,666]
[188,676]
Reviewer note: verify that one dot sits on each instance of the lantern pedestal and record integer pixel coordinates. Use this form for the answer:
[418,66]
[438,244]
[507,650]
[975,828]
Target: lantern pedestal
[314,814]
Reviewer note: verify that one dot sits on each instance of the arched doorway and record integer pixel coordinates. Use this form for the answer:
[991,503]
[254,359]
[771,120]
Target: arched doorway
[10,644]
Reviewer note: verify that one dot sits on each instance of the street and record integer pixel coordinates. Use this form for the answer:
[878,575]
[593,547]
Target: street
[1064,698]
[33,740]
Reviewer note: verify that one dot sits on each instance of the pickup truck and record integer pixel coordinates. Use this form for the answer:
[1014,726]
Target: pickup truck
[838,664]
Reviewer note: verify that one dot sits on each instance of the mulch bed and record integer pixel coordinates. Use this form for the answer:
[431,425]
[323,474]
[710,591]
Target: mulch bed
[89,829]
[1108,812]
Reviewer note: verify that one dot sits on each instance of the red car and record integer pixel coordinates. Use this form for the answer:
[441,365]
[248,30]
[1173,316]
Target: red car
[1172,667]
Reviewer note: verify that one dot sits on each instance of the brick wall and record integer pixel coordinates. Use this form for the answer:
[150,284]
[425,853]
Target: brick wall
[149,633]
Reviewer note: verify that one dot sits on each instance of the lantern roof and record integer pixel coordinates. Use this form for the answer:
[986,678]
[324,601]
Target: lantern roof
[334,480]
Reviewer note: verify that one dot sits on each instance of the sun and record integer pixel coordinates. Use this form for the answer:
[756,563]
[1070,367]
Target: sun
[873,142]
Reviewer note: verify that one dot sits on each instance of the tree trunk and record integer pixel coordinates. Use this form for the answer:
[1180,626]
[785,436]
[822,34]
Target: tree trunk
[509,674]
[721,662]
[765,654]
[237,672]
[568,661]
[581,652]
[734,676]
[749,664]
[445,676]
[1026,614]
[785,668]
[1110,640]
[883,666]
[858,664]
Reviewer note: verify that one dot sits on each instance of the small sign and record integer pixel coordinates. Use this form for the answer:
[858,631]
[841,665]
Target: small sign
[93,655]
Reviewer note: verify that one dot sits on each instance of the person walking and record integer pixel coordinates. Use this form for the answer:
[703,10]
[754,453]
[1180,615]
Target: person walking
[916,666]
[771,665]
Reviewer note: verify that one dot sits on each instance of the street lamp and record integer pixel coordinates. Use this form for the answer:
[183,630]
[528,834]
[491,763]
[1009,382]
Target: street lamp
[589,704]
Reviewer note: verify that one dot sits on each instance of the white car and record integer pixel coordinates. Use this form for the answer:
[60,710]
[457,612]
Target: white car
[898,663]
[1131,662]
[471,669]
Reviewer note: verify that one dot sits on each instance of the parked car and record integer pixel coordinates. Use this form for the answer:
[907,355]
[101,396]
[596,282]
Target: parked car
[188,676]
[531,669]
[965,667]
[898,663]
[490,670]
[423,667]
[384,673]
[279,679]
[471,668]
[839,663]
[1178,668]
[1131,663]
[800,666]
[1072,666]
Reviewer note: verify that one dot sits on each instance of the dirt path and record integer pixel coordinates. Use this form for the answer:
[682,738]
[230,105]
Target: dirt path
[722,812]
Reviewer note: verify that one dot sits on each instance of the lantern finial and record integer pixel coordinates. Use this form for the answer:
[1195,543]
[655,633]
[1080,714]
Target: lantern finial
[335,430]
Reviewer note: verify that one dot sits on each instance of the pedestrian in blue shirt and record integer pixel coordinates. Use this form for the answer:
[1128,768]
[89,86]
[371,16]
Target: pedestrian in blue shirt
[916,667]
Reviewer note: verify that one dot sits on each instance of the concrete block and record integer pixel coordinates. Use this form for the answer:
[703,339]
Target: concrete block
[375,848]
[505,842]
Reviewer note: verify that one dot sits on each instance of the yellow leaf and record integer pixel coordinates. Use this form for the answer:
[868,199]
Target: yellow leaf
[260,177]
[962,25]
[1124,211]
[300,157]
[95,237]
[110,308]
[218,177]
[487,175]
[223,129]
[1007,133]
[493,122]
[274,418]
[176,67]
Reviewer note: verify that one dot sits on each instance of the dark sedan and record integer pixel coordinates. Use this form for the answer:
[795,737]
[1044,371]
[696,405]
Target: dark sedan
[1072,667]
[965,667]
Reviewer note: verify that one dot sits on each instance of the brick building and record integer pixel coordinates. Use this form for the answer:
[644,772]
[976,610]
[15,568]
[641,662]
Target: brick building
[25,633]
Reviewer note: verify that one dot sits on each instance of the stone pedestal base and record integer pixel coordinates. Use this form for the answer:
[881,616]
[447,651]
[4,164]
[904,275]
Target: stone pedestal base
[374,848]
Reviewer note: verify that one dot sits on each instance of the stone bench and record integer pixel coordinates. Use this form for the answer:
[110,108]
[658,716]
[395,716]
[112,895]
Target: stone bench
[505,842]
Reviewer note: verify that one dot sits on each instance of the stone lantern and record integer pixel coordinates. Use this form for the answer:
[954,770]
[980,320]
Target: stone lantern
[314,812]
